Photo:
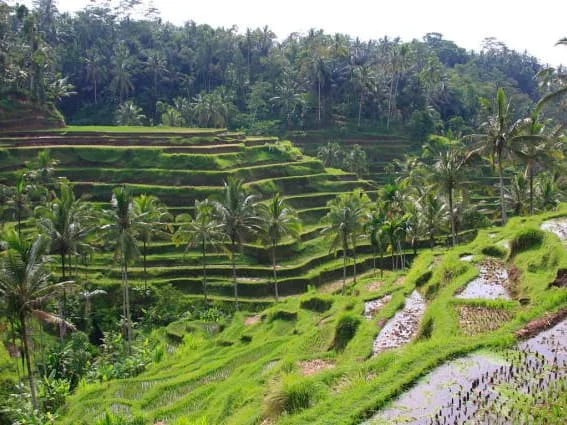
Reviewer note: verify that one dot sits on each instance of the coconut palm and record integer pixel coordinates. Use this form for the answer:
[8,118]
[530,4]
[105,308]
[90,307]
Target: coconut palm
[238,217]
[494,142]
[374,226]
[344,224]
[121,231]
[434,213]
[25,286]
[67,221]
[129,114]
[448,175]
[152,218]
[534,148]
[18,199]
[278,220]
[202,232]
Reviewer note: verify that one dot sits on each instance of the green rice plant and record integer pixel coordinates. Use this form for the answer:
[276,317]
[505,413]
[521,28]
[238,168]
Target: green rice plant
[292,395]
[526,239]
[347,324]
[494,251]
[318,304]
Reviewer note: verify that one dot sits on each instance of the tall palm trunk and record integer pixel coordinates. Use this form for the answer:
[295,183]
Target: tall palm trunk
[63,305]
[374,260]
[452,215]
[360,100]
[319,96]
[354,265]
[501,183]
[234,281]
[24,336]
[275,273]
[145,266]
[127,314]
[531,176]
[204,272]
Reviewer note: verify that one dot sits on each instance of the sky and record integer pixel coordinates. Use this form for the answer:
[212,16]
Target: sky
[521,25]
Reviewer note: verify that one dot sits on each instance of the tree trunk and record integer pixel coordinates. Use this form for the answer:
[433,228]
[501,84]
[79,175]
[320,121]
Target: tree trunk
[24,336]
[452,214]
[381,263]
[360,107]
[501,181]
[319,98]
[531,176]
[234,276]
[275,273]
[354,265]
[344,269]
[128,317]
[204,272]
[63,301]
[374,260]
[145,268]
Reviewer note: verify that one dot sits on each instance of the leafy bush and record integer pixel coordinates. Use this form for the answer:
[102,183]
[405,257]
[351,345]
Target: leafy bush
[494,251]
[525,240]
[345,330]
[317,304]
[292,395]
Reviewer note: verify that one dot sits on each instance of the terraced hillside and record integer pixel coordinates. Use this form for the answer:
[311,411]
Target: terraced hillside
[483,324]
[380,149]
[181,166]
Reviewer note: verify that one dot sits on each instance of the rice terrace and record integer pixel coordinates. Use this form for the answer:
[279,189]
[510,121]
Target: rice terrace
[203,225]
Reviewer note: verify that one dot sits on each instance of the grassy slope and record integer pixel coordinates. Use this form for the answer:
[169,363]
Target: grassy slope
[226,378]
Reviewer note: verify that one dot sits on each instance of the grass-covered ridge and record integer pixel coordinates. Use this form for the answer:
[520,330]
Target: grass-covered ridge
[284,365]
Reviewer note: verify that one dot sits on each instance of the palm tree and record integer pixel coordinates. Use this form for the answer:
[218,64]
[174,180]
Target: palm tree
[534,148]
[67,221]
[498,131]
[238,218]
[447,175]
[365,80]
[121,83]
[95,68]
[278,220]
[331,154]
[26,285]
[374,227]
[345,224]
[152,218]
[433,212]
[394,230]
[18,198]
[129,114]
[122,231]
[203,232]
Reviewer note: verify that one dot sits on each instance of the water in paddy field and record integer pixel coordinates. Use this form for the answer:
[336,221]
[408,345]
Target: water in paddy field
[403,327]
[480,389]
[491,283]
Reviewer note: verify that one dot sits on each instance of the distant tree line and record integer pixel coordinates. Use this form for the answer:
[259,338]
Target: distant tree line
[146,71]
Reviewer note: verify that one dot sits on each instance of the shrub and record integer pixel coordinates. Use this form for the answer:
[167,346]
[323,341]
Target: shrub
[317,304]
[494,251]
[345,330]
[525,240]
[292,395]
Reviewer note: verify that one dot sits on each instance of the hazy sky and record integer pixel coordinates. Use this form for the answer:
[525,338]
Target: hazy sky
[534,26]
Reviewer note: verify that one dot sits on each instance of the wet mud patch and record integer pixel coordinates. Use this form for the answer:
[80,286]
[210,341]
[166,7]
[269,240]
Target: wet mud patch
[372,307]
[475,320]
[403,327]
[491,284]
[312,367]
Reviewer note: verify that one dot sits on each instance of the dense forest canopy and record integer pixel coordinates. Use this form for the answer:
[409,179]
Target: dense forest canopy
[105,60]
